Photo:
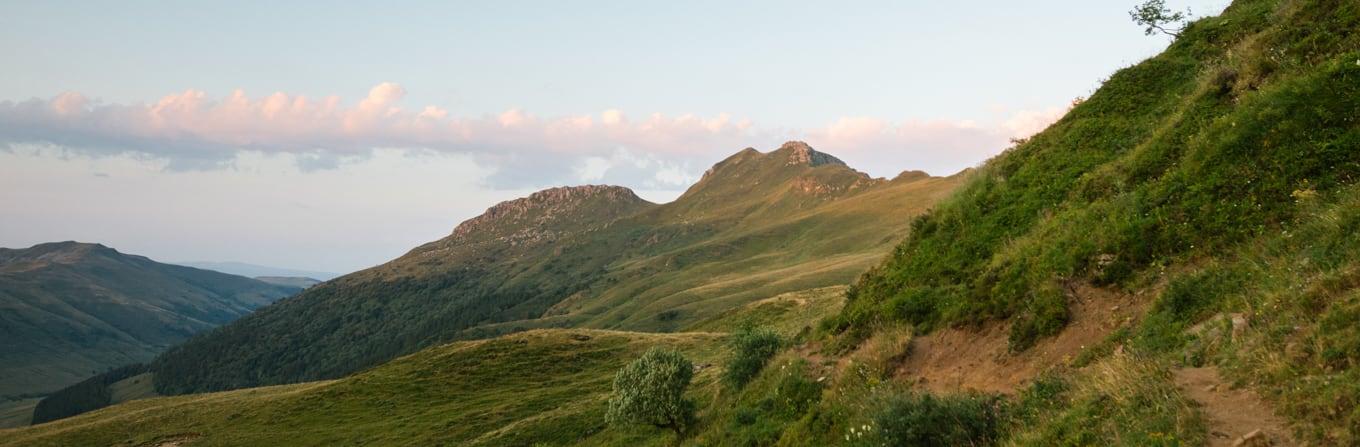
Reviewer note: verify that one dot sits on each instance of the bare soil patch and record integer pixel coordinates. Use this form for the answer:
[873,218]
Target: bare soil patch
[1236,417]
[961,359]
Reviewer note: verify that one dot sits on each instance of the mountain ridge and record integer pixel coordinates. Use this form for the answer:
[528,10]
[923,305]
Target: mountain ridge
[254,270]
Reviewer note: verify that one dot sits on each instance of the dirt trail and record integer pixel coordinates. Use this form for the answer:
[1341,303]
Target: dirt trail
[951,360]
[1233,415]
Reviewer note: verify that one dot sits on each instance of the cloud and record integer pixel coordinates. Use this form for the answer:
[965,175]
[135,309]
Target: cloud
[641,170]
[192,131]
[936,146]
[1026,123]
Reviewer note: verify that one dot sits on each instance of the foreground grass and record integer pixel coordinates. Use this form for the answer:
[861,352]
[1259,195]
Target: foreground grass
[536,387]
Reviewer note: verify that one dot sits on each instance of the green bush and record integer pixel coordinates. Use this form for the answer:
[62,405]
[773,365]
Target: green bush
[921,419]
[752,348]
[651,390]
[768,406]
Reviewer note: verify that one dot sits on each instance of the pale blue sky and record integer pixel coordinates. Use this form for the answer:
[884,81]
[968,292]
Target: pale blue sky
[520,95]
[791,63]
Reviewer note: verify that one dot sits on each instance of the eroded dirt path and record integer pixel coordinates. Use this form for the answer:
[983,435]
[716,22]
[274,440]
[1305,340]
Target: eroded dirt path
[953,359]
[1234,416]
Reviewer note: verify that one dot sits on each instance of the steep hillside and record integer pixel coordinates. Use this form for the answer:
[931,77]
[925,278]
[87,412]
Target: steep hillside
[71,310]
[1210,145]
[1213,185]
[757,225]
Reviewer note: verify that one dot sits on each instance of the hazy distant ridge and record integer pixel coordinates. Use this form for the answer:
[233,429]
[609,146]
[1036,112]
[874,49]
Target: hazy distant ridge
[256,271]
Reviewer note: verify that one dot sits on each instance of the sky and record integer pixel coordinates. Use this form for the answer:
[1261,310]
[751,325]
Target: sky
[333,137]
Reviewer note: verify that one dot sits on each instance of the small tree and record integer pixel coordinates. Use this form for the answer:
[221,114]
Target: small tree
[651,390]
[752,348]
[1156,17]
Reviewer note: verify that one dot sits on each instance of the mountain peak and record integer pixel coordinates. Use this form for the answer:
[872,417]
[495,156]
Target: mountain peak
[800,153]
[576,193]
[794,167]
[792,153]
[544,211]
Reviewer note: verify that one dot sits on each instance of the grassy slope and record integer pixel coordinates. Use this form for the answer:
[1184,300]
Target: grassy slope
[1186,155]
[827,242]
[1223,169]
[788,314]
[538,386]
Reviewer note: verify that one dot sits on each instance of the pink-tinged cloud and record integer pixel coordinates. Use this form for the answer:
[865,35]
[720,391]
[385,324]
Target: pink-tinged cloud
[194,131]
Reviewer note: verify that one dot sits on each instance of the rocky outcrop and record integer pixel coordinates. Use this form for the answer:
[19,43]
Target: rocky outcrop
[545,206]
[542,217]
[799,153]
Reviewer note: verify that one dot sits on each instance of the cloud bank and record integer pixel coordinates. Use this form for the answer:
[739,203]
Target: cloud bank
[192,131]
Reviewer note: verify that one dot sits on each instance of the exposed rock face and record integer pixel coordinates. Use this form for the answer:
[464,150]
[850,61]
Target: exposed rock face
[802,154]
[545,206]
[542,217]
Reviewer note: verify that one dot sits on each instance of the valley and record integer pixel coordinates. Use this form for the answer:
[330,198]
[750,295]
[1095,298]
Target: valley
[72,310]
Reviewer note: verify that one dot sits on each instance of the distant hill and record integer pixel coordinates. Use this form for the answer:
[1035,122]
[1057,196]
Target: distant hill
[289,281]
[71,310]
[755,226]
[257,271]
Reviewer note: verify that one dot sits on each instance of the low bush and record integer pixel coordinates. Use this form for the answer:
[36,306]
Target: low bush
[752,348]
[927,420]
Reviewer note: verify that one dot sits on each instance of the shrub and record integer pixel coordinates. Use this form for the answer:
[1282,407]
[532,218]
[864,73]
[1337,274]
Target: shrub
[768,406]
[796,393]
[651,391]
[753,348]
[926,420]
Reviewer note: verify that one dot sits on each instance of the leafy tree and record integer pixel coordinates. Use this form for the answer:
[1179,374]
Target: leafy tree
[753,348]
[1155,16]
[651,390]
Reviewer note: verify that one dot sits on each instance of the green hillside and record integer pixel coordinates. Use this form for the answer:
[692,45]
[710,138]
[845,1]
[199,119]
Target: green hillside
[71,310]
[1216,143]
[757,225]
[1217,179]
